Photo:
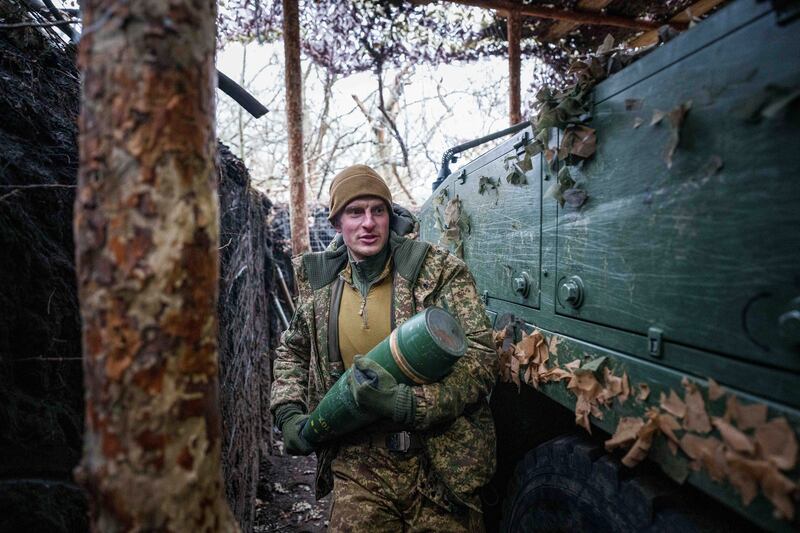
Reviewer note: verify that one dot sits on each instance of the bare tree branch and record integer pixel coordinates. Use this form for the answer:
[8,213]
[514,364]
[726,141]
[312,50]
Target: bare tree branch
[38,24]
[40,186]
[397,136]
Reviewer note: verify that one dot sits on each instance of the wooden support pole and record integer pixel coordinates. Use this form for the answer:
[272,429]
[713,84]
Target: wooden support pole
[514,67]
[581,17]
[562,27]
[146,240]
[294,126]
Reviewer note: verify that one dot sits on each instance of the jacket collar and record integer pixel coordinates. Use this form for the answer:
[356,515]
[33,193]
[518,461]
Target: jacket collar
[322,268]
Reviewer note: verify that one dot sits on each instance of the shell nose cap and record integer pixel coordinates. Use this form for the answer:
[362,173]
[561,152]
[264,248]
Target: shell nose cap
[446,331]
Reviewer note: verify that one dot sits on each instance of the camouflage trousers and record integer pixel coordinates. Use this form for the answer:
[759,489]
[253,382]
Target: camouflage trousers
[375,490]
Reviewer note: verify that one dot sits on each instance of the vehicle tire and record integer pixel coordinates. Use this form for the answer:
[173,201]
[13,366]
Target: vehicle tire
[571,484]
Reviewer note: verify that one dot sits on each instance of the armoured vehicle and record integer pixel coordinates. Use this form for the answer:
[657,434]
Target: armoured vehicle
[662,275]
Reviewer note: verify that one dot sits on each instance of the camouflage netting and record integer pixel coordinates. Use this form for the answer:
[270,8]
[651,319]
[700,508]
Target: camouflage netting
[245,332]
[320,231]
[41,383]
[41,396]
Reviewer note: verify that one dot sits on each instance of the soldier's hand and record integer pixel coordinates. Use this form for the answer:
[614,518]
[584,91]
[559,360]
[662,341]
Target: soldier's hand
[376,390]
[293,438]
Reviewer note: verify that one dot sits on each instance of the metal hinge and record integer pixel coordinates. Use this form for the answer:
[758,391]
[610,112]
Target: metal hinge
[654,344]
[523,141]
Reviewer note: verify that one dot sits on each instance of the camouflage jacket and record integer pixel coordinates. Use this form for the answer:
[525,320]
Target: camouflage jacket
[452,416]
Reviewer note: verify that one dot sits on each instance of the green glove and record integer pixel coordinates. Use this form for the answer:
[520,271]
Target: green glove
[290,419]
[376,390]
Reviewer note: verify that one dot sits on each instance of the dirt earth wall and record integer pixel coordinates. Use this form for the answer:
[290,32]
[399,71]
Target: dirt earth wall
[41,382]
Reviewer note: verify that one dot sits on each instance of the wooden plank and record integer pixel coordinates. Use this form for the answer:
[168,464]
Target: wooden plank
[581,17]
[563,27]
[697,9]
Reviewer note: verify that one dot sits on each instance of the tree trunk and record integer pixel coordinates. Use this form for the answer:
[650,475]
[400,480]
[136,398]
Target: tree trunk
[146,235]
[514,67]
[294,125]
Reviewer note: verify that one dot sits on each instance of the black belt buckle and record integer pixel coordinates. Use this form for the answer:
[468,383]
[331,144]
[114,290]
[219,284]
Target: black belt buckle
[398,442]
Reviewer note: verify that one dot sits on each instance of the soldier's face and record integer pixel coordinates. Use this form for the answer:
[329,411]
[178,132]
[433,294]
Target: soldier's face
[364,225]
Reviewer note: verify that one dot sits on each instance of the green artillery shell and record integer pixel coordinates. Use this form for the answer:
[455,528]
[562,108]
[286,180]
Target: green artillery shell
[421,351]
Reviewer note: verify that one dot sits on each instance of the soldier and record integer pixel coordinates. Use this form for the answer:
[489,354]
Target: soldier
[420,466]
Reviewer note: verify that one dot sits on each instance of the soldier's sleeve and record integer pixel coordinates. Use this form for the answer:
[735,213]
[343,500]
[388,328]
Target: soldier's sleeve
[290,369]
[474,375]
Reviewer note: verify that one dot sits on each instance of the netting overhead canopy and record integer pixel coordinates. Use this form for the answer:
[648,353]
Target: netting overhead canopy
[362,35]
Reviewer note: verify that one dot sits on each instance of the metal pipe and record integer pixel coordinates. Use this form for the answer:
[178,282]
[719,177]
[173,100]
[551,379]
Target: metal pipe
[240,94]
[449,155]
[285,287]
[279,308]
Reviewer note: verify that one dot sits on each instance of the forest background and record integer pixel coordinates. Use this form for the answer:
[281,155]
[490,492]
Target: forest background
[434,107]
[387,84]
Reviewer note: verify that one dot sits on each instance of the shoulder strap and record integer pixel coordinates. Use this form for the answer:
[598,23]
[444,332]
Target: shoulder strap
[334,354]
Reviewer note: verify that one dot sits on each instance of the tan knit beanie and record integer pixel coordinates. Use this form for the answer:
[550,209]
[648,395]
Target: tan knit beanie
[355,181]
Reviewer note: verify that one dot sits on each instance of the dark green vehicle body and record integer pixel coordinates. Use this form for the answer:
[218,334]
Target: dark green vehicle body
[689,271]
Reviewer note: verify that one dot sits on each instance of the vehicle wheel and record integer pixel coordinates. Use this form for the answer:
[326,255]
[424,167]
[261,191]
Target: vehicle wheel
[571,484]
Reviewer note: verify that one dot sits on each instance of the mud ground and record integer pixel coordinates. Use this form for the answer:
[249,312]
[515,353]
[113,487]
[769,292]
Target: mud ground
[285,493]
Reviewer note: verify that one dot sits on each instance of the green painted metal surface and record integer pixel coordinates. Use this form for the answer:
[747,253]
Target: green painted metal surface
[425,349]
[703,255]
[708,255]
[503,247]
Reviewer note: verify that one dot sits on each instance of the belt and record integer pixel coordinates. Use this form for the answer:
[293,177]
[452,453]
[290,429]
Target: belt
[401,441]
